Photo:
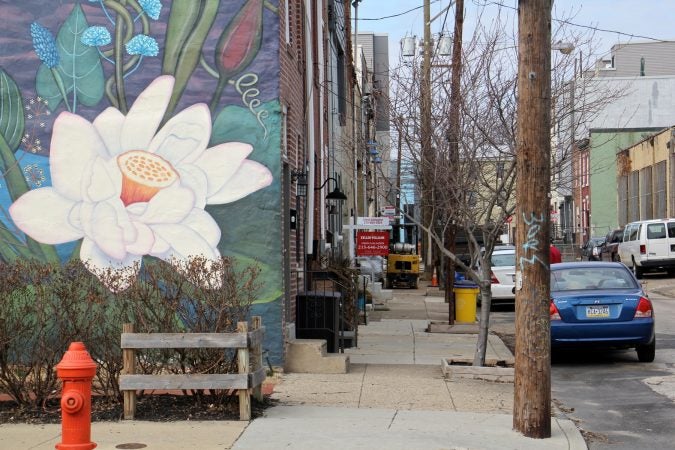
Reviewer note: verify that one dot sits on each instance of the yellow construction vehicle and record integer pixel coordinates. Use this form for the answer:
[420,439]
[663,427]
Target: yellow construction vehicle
[403,262]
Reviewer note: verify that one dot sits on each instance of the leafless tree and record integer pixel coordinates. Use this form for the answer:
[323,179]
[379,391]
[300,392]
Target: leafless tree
[476,191]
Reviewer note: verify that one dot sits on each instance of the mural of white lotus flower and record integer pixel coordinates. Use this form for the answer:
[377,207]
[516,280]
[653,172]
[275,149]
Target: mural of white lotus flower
[130,189]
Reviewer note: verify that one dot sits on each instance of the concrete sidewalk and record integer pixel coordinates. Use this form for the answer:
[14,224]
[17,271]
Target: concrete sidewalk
[395,396]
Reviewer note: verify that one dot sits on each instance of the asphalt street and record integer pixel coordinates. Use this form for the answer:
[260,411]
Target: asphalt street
[618,402]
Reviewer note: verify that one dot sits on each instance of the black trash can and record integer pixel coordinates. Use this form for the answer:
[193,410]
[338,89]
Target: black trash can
[317,317]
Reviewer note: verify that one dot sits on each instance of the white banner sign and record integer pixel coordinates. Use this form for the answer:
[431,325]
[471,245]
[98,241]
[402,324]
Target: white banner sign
[372,221]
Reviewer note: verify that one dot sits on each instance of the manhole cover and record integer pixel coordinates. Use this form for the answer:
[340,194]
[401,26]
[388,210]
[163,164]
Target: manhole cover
[131,445]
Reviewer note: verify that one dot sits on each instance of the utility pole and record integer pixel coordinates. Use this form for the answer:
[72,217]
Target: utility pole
[453,152]
[426,157]
[355,135]
[532,383]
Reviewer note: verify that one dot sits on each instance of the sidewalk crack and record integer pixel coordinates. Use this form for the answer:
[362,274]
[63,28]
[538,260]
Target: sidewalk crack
[412,328]
[392,419]
[363,379]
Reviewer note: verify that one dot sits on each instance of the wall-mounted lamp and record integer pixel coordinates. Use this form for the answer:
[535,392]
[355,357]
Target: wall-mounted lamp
[300,178]
[336,194]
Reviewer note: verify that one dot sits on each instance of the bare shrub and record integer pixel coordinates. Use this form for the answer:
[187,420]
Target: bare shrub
[45,307]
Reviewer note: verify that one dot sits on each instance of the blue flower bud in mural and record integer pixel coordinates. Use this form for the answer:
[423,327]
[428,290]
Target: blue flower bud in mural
[96,36]
[151,7]
[44,45]
[142,45]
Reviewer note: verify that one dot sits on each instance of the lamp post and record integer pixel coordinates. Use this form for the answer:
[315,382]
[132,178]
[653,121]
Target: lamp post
[335,199]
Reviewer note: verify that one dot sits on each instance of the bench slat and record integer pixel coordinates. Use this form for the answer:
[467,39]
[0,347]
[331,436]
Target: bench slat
[196,381]
[184,340]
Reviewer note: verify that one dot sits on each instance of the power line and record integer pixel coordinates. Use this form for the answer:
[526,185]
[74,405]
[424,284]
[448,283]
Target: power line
[397,14]
[579,25]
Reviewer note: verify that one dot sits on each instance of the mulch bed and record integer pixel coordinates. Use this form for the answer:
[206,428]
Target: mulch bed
[157,408]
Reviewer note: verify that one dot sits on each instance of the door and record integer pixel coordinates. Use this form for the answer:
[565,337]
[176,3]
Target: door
[656,243]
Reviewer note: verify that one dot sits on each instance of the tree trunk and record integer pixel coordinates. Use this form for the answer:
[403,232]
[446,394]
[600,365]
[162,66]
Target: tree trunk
[532,389]
[483,325]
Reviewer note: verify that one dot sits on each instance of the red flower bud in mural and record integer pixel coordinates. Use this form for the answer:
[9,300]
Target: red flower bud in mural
[240,41]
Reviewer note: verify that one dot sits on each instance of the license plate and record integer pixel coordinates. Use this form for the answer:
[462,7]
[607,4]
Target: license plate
[596,311]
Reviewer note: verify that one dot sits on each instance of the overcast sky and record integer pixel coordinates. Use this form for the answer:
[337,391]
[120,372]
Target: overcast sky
[628,20]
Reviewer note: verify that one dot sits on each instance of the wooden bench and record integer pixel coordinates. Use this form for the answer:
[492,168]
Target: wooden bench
[248,379]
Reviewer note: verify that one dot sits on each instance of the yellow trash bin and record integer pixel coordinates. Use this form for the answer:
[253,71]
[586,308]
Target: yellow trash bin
[466,296]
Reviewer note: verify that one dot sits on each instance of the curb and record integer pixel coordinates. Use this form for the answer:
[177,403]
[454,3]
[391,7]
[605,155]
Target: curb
[486,373]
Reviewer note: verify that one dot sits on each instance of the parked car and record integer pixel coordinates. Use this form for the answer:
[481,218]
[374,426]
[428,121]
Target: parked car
[503,275]
[590,251]
[609,250]
[600,304]
[649,245]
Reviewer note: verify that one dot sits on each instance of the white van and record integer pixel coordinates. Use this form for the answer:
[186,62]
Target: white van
[649,245]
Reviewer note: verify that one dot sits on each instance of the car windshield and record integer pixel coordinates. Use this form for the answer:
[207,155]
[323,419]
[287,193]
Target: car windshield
[591,278]
[503,259]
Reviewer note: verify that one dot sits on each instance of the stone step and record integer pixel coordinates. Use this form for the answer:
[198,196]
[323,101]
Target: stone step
[310,356]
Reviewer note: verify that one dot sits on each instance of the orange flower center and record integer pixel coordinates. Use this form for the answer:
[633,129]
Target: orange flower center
[143,175]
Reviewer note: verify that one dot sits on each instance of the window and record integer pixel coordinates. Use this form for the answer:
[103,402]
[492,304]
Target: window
[634,196]
[341,88]
[671,229]
[660,190]
[646,211]
[287,19]
[656,231]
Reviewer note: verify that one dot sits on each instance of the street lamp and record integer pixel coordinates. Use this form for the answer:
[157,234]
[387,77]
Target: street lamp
[336,194]
[300,178]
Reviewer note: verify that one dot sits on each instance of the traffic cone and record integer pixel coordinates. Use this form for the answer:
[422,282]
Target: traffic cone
[434,279]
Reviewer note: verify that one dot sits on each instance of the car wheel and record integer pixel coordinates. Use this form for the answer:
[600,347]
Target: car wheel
[646,353]
[637,270]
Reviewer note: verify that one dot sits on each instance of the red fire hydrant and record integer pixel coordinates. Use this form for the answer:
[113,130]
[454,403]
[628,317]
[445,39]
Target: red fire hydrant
[76,370]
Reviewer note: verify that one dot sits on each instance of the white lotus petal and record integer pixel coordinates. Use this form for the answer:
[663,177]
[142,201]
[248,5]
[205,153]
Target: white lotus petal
[97,182]
[43,215]
[170,205]
[146,114]
[124,270]
[160,248]
[109,126]
[250,177]
[107,230]
[143,242]
[202,222]
[194,178]
[75,142]
[185,136]
[221,162]
[185,242]
[86,211]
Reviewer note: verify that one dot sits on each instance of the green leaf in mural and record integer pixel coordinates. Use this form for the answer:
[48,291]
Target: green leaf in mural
[188,28]
[11,111]
[79,67]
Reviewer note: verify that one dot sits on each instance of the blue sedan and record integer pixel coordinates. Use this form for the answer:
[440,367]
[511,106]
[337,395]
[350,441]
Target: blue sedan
[600,304]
